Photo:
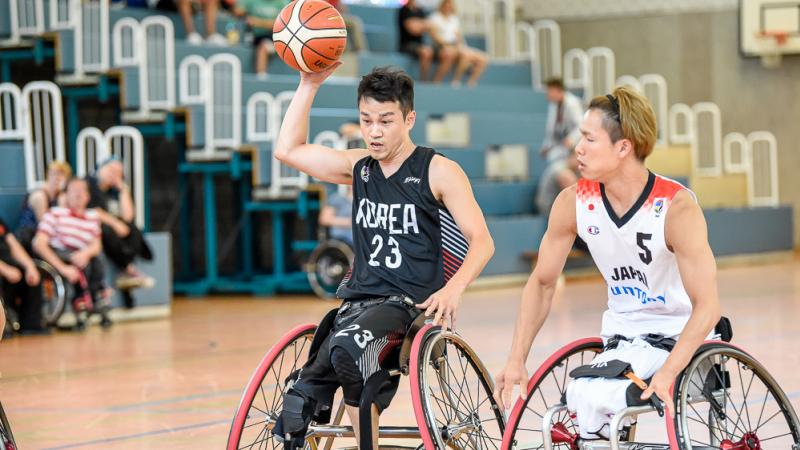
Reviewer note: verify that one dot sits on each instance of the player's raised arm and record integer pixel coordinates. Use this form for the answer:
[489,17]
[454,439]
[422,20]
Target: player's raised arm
[291,148]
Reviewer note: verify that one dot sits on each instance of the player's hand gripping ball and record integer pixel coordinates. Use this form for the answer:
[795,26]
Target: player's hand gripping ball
[309,35]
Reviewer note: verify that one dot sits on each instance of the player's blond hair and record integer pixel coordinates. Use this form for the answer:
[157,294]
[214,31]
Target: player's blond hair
[628,114]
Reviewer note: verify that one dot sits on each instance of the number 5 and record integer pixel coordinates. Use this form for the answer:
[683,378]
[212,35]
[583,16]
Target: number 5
[647,256]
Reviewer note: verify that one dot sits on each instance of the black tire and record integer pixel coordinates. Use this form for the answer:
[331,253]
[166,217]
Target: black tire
[327,265]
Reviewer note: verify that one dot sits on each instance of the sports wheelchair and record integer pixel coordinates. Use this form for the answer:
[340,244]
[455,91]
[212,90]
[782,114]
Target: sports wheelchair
[724,399]
[451,394]
[54,295]
[6,437]
[327,265]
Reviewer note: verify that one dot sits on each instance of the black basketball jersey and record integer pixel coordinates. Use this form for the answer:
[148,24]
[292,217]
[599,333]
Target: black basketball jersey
[405,241]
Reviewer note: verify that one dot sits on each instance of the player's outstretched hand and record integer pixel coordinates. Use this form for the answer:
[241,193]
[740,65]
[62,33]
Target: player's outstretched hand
[514,374]
[443,306]
[316,78]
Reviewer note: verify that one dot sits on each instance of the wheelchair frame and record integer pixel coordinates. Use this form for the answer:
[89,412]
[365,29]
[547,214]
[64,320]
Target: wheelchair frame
[420,338]
[555,433]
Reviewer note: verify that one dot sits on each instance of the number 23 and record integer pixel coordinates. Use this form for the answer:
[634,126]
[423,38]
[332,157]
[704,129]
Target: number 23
[392,261]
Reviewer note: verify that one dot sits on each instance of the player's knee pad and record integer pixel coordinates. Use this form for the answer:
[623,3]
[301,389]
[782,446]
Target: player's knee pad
[291,426]
[348,375]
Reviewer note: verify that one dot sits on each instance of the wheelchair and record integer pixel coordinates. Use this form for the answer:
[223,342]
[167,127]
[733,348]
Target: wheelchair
[327,266]
[54,297]
[451,394]
[55,290]
[6,437]
[724,399]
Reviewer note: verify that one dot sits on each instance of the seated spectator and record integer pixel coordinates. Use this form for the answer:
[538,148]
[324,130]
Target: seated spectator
[449,44]
[185,9]
[413,26]
[20,283]
[110,197]
[260,16]
[337,215]
[355,28]
[562,132]
[37,202]
[69,239]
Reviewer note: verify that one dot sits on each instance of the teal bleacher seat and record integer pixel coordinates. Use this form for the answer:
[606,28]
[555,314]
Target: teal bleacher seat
[12,181]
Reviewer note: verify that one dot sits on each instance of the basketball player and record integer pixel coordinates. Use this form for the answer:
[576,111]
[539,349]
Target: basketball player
[648,238]
[419,240]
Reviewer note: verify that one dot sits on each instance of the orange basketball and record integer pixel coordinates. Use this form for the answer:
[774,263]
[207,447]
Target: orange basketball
[309,35]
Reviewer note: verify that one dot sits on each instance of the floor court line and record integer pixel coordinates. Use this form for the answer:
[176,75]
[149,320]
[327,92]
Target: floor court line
[139,435]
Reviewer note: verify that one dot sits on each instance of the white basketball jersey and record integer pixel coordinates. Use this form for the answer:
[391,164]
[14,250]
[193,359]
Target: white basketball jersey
[645,290]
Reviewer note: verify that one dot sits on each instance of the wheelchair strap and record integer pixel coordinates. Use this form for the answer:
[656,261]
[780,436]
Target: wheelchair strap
[656,340]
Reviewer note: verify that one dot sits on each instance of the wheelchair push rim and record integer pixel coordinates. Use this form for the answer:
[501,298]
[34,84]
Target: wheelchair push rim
[752,413]
[524,429]
[452,394]
[262,399]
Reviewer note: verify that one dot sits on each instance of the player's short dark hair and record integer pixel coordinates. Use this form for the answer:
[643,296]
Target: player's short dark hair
[387,84]
[555,83]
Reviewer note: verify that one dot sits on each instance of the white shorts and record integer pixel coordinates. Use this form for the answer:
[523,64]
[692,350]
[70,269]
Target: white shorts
[596,400]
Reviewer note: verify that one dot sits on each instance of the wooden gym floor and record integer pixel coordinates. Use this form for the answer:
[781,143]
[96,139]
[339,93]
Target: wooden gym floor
[175,383]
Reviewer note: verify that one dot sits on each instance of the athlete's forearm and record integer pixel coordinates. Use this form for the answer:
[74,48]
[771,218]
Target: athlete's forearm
[533,310]
[294,128]
[705,316]
[479,253]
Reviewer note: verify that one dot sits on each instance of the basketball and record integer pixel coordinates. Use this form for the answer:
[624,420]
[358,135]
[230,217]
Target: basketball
[309,35]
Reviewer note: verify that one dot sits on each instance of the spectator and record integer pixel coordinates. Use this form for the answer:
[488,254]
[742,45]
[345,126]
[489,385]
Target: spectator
[337,215]
[260,16]
[20,282]
[40,200]
[449,43]
[69,238]
[122,240]
[185,9]
[413,26]
[354,25]
[562,132]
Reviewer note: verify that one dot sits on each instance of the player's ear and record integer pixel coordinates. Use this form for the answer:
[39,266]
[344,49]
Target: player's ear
[625,146]
[411,119]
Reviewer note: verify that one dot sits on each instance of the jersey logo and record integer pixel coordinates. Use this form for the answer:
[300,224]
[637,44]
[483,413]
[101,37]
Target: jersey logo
[365,173]
[658,207]
[411,180]
[593,230]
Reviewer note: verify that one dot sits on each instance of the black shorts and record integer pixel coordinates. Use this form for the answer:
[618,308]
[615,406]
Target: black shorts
[372,336]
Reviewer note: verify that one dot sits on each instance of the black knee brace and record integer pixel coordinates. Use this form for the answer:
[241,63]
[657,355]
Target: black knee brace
[348,375]
[291,426]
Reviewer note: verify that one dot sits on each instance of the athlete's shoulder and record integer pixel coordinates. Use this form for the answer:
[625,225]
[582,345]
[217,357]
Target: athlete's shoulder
[668,189]
[586,190]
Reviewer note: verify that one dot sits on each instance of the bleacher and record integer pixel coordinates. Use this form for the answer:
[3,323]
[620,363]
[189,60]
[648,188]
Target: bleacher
[223,119]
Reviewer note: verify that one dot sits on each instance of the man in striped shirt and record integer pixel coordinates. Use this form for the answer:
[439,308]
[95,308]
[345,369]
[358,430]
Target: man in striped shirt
[69,239]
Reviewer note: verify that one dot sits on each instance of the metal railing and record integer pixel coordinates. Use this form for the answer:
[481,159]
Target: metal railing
[681,124]
[223,110]
[762,179]
[576,69]
[259,124]
[283,176]
[11,126]
[602,70]
[126,38]
[44,129]
[192,80]
[654,87]
[91,36]
[735,157]
[706,140]
[157,65]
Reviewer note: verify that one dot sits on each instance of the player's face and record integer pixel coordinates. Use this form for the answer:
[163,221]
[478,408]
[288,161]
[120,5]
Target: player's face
[383,127]
[596,154]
